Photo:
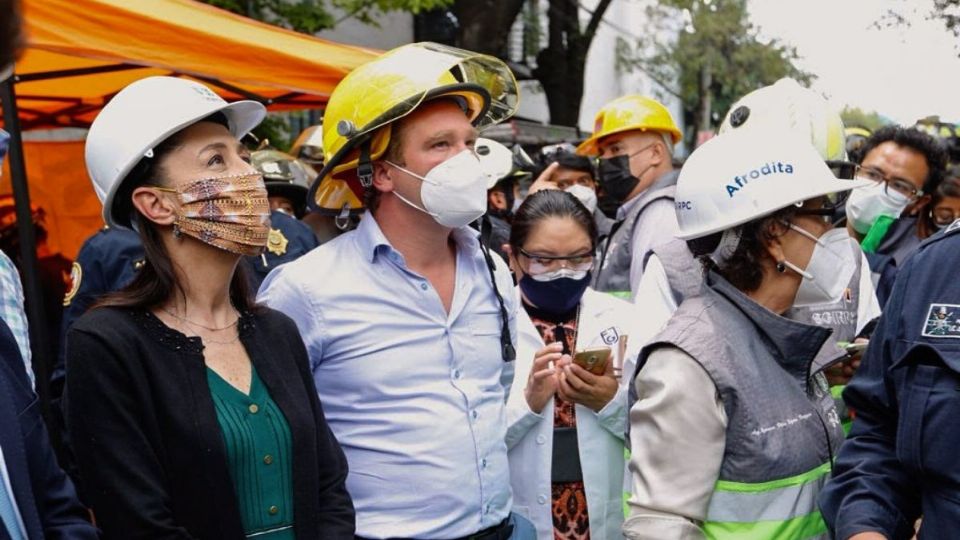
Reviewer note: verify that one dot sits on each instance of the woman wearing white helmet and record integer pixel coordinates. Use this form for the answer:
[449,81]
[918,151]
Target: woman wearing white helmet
[191,410]
[734,430]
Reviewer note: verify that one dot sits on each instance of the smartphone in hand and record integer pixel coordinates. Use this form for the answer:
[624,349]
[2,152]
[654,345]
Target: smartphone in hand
[593,360]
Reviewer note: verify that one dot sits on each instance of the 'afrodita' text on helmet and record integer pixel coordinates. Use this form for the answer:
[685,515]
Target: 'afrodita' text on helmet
[768,168]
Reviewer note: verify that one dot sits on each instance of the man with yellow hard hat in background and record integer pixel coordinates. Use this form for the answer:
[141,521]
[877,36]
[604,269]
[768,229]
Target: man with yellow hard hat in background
[409,323]
[634,137]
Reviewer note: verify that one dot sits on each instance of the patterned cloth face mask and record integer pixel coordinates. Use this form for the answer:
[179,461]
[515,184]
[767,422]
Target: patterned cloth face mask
[228,212]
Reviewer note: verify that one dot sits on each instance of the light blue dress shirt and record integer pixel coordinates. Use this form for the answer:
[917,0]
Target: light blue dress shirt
[414,395]
[11,291]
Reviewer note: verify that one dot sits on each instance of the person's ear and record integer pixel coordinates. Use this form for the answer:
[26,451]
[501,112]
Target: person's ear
[774,230]
[512,261]
[383,176]
[154,205]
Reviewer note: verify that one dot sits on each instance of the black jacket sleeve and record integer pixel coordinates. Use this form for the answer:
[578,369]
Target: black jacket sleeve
[121,477]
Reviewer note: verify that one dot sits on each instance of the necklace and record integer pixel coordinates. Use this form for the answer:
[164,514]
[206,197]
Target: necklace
[198,325]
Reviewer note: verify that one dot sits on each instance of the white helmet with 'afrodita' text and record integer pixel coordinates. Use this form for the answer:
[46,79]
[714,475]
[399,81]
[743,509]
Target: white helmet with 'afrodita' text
[143,115]
[740,176]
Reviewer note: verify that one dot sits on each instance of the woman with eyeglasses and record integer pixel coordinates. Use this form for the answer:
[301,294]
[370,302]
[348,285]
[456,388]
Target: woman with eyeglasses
[567,407]
[734,429]
[942,210]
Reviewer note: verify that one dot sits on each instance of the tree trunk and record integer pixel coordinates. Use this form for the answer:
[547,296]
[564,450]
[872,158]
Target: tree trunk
[485,24]
[704,109]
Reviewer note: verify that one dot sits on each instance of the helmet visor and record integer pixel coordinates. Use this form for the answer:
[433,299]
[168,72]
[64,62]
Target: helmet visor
[394,85]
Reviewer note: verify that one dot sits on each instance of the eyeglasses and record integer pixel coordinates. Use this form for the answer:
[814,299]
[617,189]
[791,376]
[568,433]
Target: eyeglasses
[898,185]
[944,216]
[541,264]
[828,207]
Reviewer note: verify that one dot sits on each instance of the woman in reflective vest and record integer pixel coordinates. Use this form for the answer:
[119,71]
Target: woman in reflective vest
[733,431]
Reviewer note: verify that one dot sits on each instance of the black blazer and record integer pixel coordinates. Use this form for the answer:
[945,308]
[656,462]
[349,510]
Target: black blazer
[44,495]
[149,449]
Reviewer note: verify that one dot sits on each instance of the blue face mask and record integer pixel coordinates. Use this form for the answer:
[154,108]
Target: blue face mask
[558,292]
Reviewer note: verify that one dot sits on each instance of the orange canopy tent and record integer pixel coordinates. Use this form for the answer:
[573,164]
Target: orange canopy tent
[80,53]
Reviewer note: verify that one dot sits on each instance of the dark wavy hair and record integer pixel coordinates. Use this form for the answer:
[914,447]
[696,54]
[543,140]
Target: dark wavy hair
[932,149]
[549,203]
[744,268]
[157,281]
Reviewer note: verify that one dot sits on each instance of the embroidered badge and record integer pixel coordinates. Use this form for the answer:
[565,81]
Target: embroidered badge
[76,274]
[943,321]
[610,336]
[277,242]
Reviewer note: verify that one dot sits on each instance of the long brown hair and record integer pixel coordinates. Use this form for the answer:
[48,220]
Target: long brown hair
[156,280]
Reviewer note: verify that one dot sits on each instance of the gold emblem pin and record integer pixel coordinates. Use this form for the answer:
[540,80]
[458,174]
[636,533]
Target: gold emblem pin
[76,275]
[277,242]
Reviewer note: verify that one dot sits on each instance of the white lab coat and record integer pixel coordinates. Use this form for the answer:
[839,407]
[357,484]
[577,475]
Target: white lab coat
[599,435]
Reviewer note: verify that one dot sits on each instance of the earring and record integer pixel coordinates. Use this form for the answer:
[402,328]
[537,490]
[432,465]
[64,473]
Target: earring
[176,231]
[781,267]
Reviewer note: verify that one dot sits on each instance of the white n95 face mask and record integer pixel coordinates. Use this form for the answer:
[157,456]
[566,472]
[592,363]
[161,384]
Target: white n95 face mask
[830,269]
[454,193]
[866,204]
[585,195]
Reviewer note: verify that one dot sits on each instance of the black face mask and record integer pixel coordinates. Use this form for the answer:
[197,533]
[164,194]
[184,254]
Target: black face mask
[616,178]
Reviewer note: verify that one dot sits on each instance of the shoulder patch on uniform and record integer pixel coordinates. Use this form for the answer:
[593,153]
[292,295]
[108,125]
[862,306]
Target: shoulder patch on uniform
[943,321]
[610,336]
[76,274]
[277,242]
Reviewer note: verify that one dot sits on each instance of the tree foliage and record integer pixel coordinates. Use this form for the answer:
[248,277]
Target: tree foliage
[715,57]
[312,16]
[855,116]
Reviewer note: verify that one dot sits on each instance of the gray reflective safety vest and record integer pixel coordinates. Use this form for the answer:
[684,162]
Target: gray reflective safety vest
[782,426]
[616,252]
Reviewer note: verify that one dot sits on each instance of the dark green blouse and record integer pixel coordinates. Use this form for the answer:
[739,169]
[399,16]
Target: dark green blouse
[257,440]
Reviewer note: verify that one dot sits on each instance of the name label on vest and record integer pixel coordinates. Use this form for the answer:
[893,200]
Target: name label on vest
[741,181]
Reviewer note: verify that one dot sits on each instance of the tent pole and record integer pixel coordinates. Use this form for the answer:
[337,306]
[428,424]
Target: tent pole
[39,340]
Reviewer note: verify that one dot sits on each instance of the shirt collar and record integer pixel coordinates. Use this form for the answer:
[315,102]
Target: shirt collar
[371,240]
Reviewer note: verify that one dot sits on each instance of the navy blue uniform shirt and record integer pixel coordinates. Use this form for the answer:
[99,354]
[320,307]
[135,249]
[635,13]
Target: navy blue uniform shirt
[900,461]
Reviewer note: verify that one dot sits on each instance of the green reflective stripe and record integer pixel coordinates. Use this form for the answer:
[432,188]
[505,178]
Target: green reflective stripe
[726,485]
[777,504]
[623,295]
[810,526]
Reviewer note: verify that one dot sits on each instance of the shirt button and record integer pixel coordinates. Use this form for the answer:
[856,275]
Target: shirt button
[483,463]
[474,413]
[253,408]
[273,510]
[541,439]
[542,499]
[423,286]
[268,459]
[486,509]
[456,374]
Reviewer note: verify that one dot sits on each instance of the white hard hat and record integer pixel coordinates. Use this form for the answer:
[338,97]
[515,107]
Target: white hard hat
[740,176]
[787,106]
[495,159]
[143,115]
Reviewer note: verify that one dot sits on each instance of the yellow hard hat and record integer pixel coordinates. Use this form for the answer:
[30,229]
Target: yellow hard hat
[629,113]
[356,123]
